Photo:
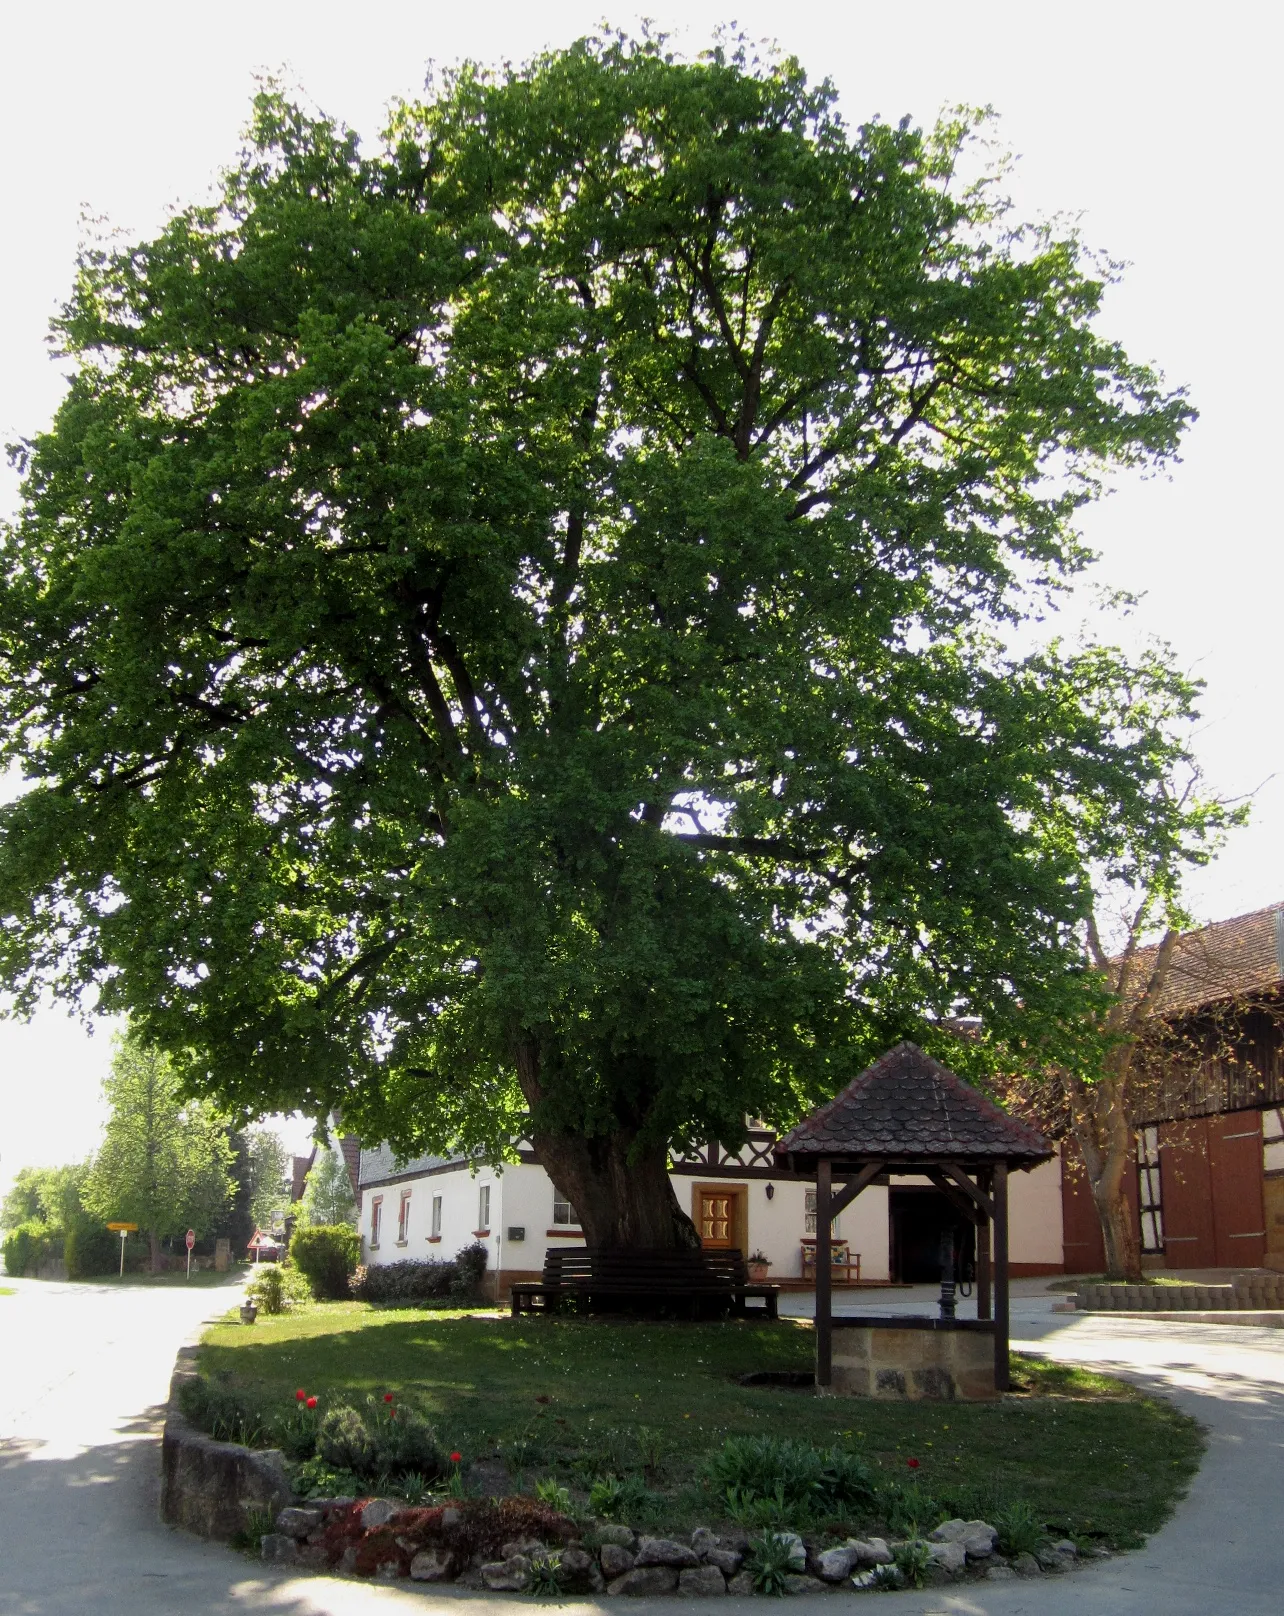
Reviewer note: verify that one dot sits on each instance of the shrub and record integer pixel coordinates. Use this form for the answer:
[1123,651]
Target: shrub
[326,1254]
[404,1444]
[404,1283]
[551,1492]
[343,1442]
[90,1248]
[470,1265]
[277,1287]
[29,1245]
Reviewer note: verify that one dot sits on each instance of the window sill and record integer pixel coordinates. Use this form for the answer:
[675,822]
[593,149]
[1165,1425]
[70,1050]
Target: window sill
[374,1245]
[481,1234]
[563,1233]
[403,1242]
[434,1239]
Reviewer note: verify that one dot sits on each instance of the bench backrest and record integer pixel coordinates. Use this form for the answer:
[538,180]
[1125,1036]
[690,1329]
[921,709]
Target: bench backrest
[582,1266]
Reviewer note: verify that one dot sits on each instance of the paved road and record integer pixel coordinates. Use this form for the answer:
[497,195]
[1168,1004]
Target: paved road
[84,1371]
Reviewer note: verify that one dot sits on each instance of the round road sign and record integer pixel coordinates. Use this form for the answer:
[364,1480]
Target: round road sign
[191,1238]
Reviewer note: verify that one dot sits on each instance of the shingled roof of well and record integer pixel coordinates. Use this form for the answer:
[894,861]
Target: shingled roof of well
[907,1107]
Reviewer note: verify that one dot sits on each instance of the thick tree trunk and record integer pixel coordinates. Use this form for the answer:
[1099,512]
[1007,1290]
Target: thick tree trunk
[154,1250]
[622,1200]
[1104,1133]
[620,1191]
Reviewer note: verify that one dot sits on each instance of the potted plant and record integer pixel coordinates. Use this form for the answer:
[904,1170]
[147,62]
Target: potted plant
[757,1263]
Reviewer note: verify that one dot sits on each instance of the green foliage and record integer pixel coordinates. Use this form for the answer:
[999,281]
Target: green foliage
[912,1560]
[90,1248]
[327,1193]
[164,1159]
[551,1492]
[404,1284]
[258,1523]
[769,1562]
[470,1265]
[277,1286]
[607,1497]
[48,1195]
[413,1488]
[550,572]
[326,1255]
[344,1443]
[313,1478]
[268,1164]
[28,1246]
[546,1576]
[1020,1531]
[765,1479]
[223,1413]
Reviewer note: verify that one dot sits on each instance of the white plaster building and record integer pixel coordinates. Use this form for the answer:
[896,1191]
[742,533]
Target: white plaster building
[434,1205]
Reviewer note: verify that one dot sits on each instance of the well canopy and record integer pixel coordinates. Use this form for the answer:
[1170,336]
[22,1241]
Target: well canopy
[905,1109]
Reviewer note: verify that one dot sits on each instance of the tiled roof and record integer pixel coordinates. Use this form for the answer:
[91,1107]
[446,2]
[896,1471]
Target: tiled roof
[380,1166]
[907,1107]
[1229,959]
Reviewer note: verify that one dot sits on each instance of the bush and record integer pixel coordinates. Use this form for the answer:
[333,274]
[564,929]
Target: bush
[765,1467]
[387,1442]
[90,1248]
[28,1246]
[418,1280]
[343,1442]
[326,1255]
[276,1287]
[403,1284]
[470,1265]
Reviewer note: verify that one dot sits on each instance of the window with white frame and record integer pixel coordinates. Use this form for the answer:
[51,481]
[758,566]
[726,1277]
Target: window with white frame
[483,1209]
[1149,1191]
[376,1218]
[403,1218]
[564,1214]
[809,1215]
[436,1218]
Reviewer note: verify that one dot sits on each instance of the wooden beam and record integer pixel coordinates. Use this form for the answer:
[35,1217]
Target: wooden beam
[973,1191]
[983,1256]
[824,1275]
[854,1186]
[1001,1380]
[965,1208]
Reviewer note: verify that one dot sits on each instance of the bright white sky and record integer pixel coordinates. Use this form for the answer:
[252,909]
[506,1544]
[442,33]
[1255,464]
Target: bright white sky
[1155,123]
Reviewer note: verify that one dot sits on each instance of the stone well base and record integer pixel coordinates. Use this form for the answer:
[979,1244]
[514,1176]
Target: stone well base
[907,1359]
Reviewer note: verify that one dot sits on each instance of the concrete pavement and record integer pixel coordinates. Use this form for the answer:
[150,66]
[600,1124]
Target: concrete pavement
[84,1372]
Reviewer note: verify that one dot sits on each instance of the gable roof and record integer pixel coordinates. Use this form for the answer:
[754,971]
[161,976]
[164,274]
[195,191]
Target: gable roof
[908,1108]
[1229,959]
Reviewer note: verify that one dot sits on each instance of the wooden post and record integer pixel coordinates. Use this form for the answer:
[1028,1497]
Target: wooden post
[824,1276]
[1001,1382]
[983,1252]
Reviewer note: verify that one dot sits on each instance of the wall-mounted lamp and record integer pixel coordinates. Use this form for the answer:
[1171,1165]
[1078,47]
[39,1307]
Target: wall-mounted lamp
[771,1190]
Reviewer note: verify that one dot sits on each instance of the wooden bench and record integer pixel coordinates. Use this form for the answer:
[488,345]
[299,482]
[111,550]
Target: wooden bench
[842,1261]
[690,1281]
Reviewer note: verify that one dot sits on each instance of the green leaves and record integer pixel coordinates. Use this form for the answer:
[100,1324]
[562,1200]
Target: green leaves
[507,621]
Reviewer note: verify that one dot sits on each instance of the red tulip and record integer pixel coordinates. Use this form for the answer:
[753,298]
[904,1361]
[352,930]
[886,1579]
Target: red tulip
[912,1463]
[455,1458]
[312,1402]
[387,1397]
[300,1395]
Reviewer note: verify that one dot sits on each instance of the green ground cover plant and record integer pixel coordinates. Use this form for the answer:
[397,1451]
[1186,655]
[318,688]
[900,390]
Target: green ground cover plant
[650,1420]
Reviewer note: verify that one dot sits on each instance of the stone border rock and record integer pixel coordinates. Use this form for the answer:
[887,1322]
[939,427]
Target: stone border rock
[207,1487]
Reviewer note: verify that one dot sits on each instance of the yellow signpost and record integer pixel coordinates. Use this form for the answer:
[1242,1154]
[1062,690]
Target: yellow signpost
[124,1229]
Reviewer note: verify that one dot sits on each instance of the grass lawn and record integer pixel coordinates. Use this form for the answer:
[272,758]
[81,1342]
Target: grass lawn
[6,1290]
[581,1398]
[175,1277]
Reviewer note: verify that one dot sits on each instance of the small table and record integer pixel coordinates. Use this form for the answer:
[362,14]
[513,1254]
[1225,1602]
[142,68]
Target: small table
[842,1262]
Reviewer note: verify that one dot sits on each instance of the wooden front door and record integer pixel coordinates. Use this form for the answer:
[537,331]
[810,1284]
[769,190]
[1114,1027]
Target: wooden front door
[1235,1161]
[718,1213]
